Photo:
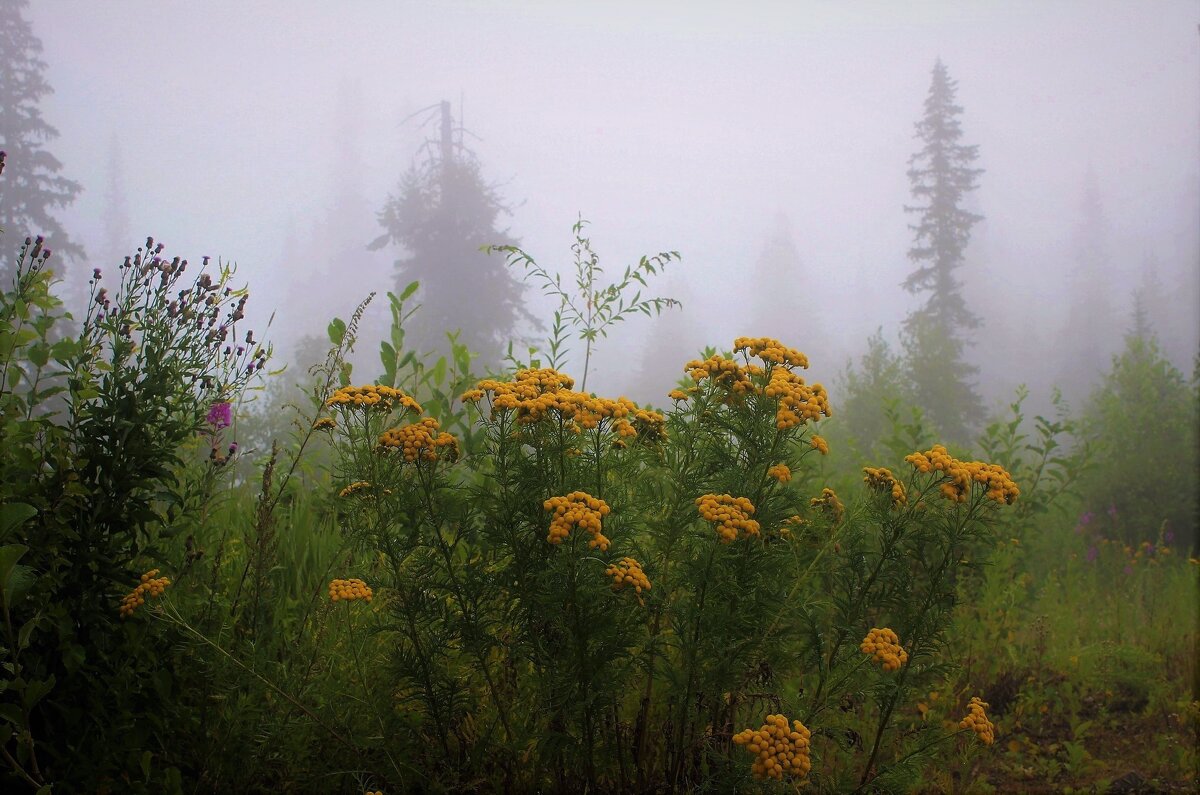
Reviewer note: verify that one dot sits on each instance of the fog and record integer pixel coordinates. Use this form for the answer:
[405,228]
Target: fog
[272,133]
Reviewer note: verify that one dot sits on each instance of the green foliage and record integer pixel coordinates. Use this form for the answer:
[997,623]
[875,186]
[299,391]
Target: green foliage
[940,377]
[872,391]
[437,385]
[1147,480]
[590,309]
[94,441]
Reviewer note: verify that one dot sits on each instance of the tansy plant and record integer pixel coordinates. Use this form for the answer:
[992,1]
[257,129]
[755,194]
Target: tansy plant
[604,595]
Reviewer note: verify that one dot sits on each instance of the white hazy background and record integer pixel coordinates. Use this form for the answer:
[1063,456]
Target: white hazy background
[239,129]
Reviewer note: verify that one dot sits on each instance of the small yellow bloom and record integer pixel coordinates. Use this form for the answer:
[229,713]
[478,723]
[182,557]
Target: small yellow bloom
[780,472]
[779,749]
[977,721]
[577,509]
[830,503]
[149,585]
[628,571]
[354,488]
[349,590]
[884,646]
[730,514]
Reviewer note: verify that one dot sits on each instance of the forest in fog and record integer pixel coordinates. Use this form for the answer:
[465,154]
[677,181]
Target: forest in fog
[529,396]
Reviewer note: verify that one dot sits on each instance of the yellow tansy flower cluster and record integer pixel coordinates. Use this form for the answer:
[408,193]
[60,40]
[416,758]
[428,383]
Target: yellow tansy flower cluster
[798,402]
[795,520]
[829,502]
[349,590]
[778,749]
[421,441]
[819,444]
[977,721]
[780,472]
[771,350]
[372,396]
[628,571]
[537,394]
[725,373]
[884,646]
[730,514]
[646,424]
[960,474]
[325,423]
[150,585]
[354,488]
[577,509]
[526,385]
[882,479]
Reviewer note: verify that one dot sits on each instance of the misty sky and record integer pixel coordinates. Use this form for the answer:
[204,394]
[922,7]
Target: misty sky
[678,125]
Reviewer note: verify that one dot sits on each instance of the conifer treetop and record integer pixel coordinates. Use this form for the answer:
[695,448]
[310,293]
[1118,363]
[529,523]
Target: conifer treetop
[34,187]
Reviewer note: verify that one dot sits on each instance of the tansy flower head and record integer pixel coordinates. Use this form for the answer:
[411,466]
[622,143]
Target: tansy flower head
[779,749]
[882,479]
[628,571]
[577,509]
[977,721]
[421,441]
[829,502]
[730,514]
[374,397]
[780,472]
[535,395]
[798,402]
[959,475]
[325,423]
[819,444]
[794,521]
[884,646]
[353,488]
[724,373]
[149,585]
[771,351]
[349,590]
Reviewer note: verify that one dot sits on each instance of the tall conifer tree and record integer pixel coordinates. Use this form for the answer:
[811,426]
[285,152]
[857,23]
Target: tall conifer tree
[33,188]
[941,173]
[442,215]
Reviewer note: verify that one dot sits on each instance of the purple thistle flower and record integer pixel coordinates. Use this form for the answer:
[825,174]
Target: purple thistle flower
[1092,553]
[1112,511]
[1169,537]
[221,415]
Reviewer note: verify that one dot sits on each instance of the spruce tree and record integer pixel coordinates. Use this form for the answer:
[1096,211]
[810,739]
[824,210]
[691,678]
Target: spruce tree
[442,215]
[34,188]
[935,335]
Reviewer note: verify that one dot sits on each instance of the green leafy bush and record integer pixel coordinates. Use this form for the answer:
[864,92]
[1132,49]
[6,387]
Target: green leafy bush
[1147,479]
